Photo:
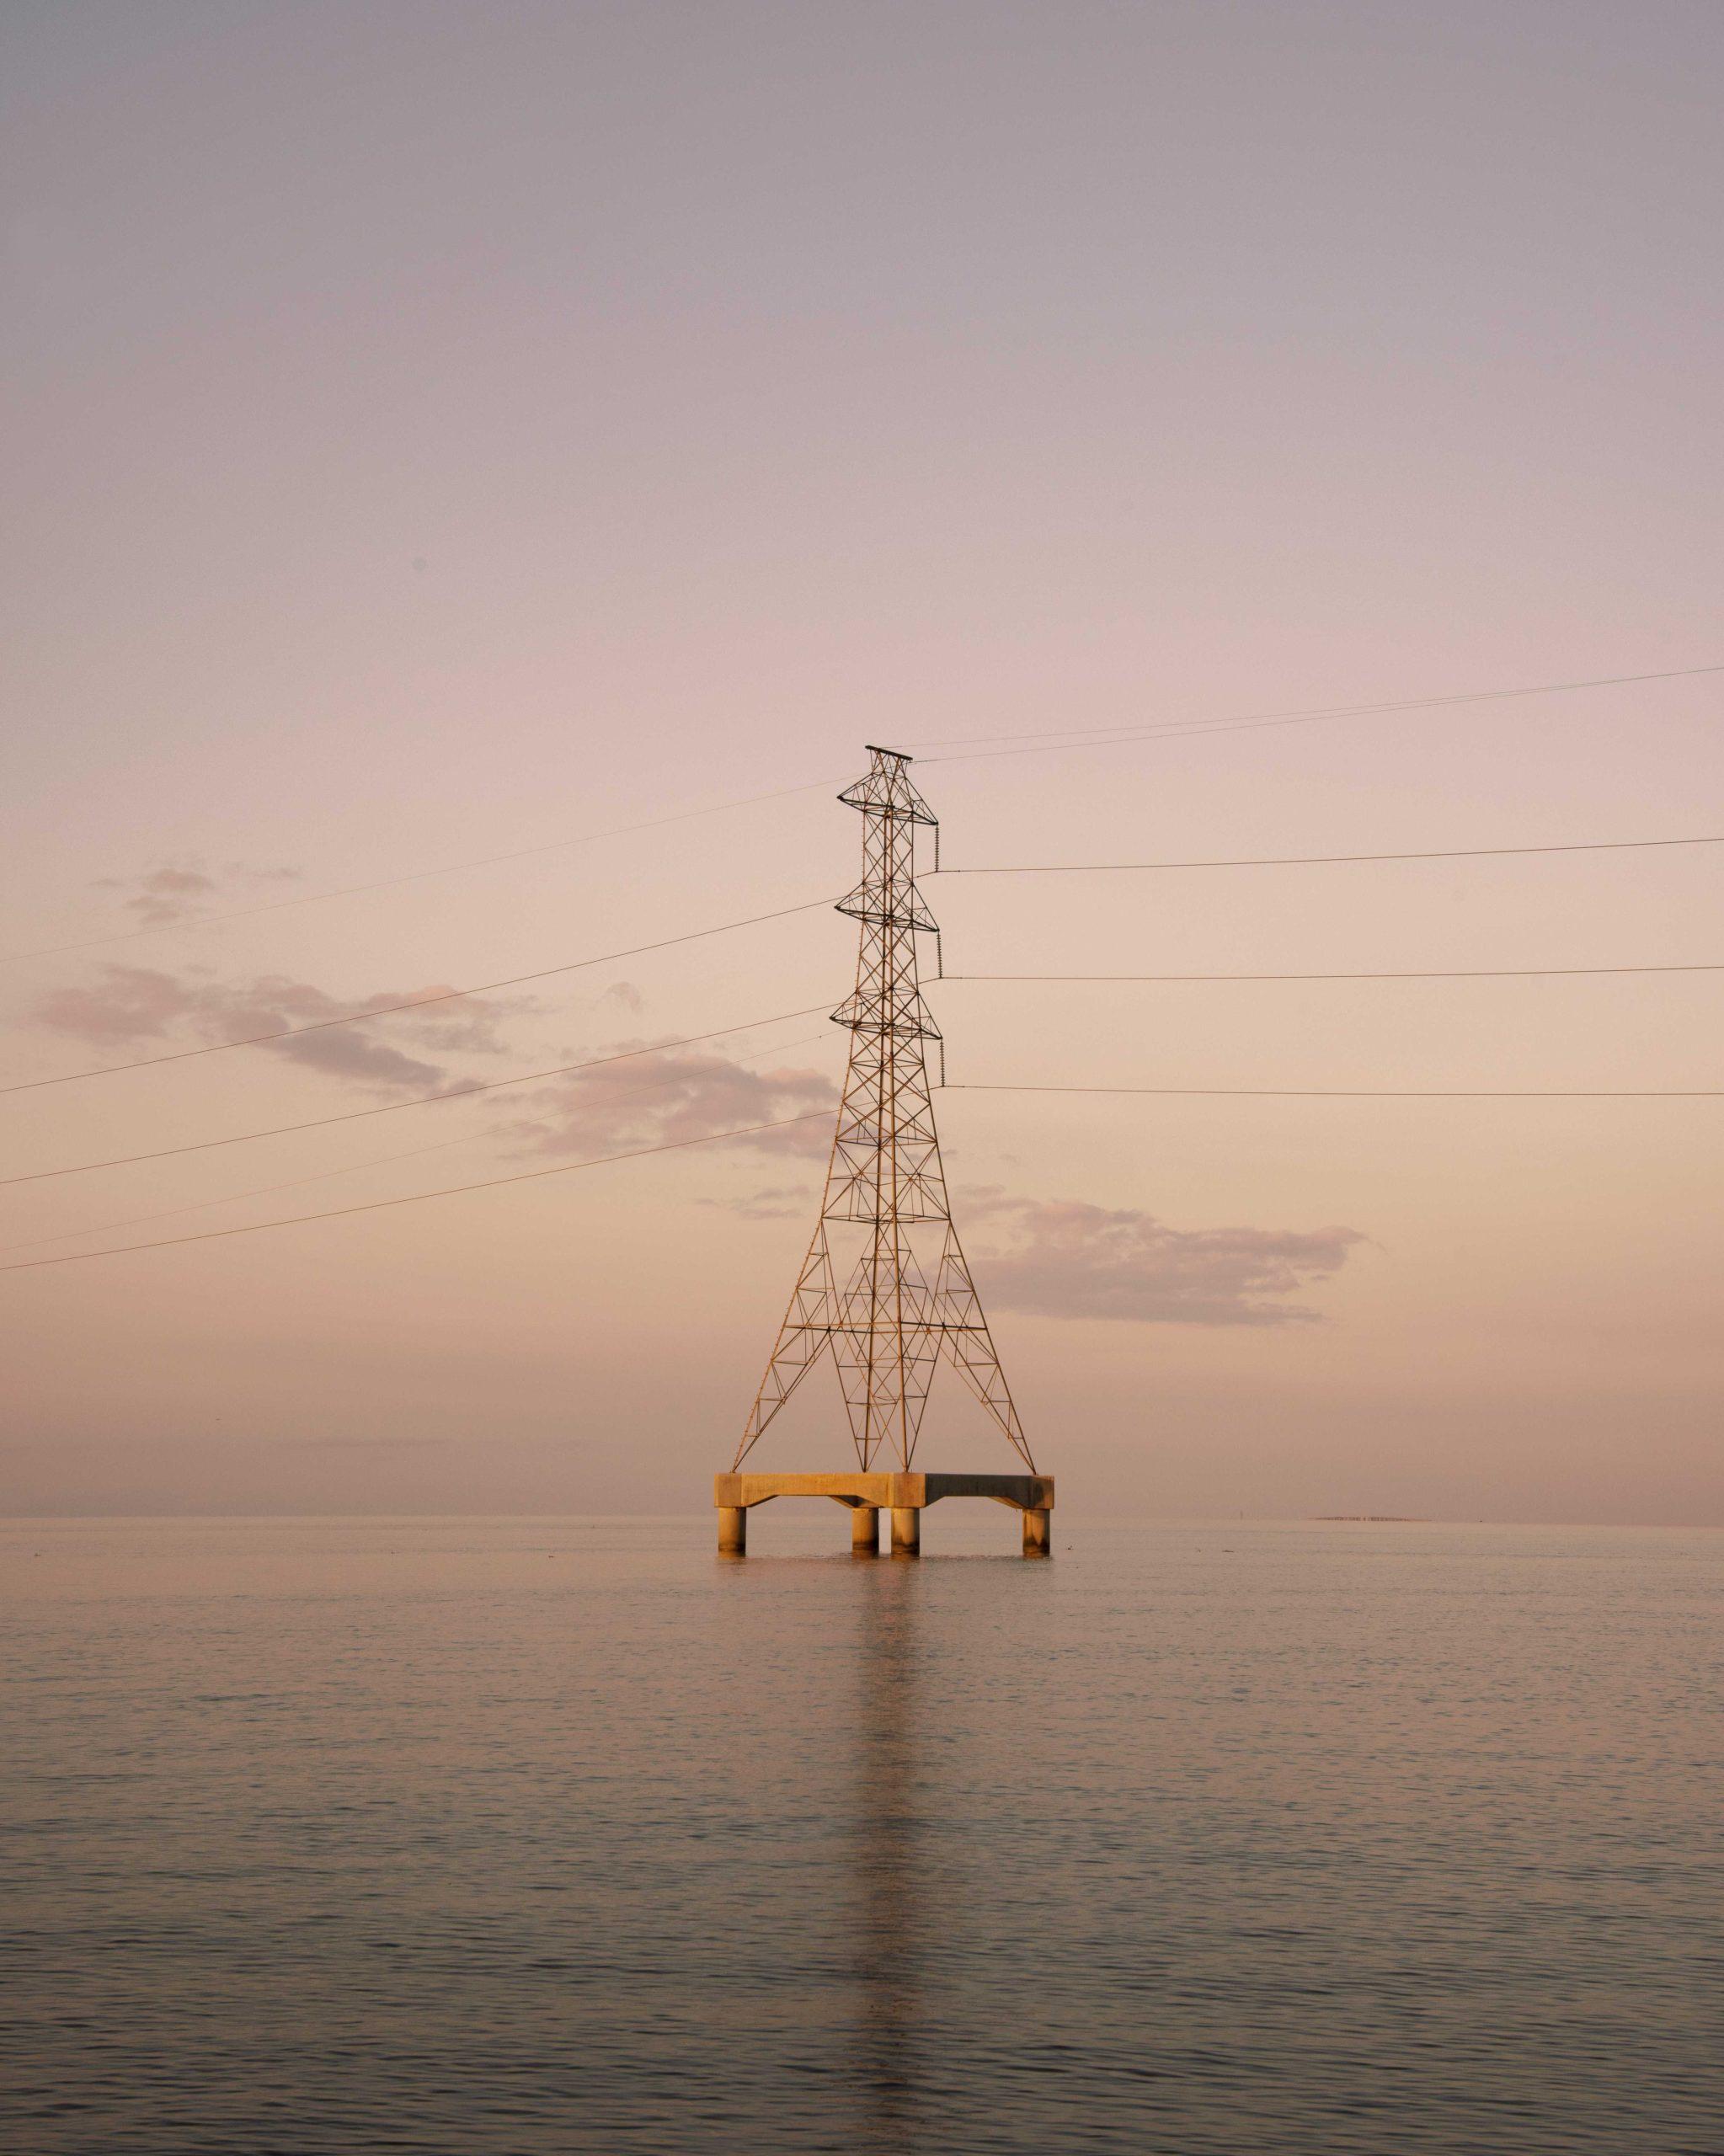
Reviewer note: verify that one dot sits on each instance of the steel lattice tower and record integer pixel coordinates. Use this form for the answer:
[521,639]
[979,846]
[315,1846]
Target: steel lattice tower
[885,1229]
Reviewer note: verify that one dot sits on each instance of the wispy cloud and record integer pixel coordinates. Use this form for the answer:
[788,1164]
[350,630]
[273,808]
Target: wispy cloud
[181,890]
[681,1093]
[129,1006]
[774,1201]
[1060,1257]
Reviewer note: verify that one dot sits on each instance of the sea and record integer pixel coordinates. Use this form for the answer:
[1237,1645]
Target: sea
[516,1837]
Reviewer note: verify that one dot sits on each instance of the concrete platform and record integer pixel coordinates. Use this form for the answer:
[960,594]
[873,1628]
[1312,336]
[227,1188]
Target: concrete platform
[906,1496]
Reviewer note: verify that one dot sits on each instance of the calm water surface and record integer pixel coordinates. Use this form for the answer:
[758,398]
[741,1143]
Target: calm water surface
[524,1837]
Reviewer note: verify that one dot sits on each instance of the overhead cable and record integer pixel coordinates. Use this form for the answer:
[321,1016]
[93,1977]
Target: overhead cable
[1366,1092]
[418,1196]
[1103,737]
[419,1101]
[233,1197]
[1468,972]
[1051,738]
[358,1167]
[415,1002]
[1320,860]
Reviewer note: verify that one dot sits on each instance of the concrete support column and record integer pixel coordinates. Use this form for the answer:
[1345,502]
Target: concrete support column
[906,1531]
[865,1530]
[732,1530]
[1038,1532]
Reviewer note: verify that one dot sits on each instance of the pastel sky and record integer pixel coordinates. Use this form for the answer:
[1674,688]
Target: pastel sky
[436,431]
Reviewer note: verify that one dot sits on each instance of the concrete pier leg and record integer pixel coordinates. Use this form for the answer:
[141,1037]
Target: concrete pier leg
[865,1530]
[906,1531]
[732,1530]
[1037,1534]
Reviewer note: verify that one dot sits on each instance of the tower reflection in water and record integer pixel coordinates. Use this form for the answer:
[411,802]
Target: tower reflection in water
[894,1907]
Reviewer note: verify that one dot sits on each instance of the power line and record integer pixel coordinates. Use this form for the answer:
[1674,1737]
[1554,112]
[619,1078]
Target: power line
[1477,973]
[233,1197]
[416,1002]
[1321,860]
[389,1107]
[1364,1093]
[1103,737]
[415,876]
[1110,736]
[417,1197]
[358,1167]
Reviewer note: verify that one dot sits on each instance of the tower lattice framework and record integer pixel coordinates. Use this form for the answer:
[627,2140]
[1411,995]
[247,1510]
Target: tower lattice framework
[885,1286]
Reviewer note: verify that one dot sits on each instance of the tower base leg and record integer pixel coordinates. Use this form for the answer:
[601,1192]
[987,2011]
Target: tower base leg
[1037,1534]
[865,1530]
[732,1530]
[906,1531]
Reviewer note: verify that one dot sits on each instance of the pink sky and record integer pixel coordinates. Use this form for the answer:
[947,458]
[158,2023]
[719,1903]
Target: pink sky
[437,431]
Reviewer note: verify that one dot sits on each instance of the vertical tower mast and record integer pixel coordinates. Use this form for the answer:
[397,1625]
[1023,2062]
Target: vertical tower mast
[885,1286]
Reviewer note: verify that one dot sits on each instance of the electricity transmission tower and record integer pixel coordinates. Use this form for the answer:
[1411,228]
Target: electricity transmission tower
[885,1288]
